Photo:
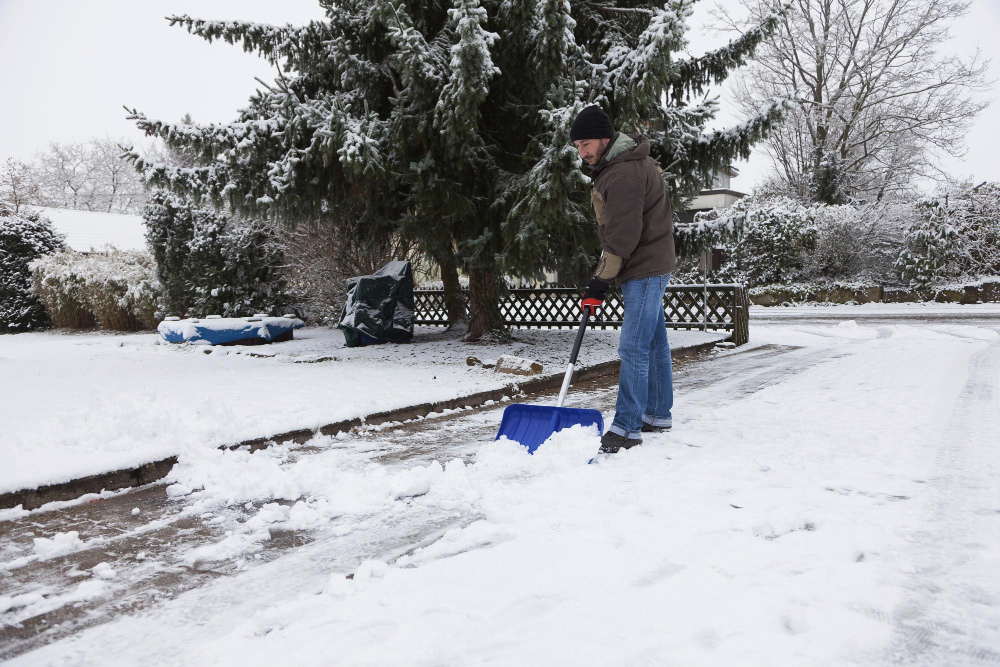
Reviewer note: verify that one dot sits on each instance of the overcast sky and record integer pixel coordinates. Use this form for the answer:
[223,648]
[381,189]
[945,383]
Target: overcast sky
[67,67]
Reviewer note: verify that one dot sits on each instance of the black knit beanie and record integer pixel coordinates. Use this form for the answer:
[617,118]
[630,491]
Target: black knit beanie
[592,123]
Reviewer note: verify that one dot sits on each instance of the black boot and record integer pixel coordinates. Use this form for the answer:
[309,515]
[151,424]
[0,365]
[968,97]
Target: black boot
[649,428]
[612,442]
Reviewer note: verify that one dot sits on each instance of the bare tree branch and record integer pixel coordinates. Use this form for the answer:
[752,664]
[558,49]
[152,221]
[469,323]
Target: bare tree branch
[873,91]
[91,176]
[18,185]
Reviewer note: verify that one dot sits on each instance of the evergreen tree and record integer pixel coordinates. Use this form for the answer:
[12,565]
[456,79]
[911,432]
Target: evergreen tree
[829,181]
[23,237]
[448,124]
[210,263]
[933,246]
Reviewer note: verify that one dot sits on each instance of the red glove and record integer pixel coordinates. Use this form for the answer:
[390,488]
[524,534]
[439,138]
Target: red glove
[593,297]
[593,305]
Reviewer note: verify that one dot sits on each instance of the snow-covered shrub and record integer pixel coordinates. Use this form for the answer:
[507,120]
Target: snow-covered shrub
[709,230]
[857,242]
[839,247]
[975,214]
[247,280]
[212,263]
[768,242]
[23,237]
[933,246]
[116,289]
[122,289]
[953,236]
[60,287]
[956,236]
[981,228]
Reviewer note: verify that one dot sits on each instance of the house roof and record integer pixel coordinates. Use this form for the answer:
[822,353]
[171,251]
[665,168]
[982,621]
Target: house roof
[87,231]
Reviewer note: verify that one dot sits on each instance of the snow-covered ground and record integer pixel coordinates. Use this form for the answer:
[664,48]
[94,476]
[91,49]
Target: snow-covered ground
[835,503]
[78,405]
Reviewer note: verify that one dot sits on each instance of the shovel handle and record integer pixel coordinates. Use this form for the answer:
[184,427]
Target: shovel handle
[572,358]
[579,335]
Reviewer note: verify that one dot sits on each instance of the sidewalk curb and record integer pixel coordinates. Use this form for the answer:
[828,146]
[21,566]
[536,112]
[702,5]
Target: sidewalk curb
[154,471]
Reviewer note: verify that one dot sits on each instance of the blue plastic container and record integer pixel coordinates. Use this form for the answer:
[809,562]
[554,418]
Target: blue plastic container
[224,331]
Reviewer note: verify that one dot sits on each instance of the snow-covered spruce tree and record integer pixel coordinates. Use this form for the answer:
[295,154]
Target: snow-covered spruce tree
[23,238]
[932,246]
[211,263]
[448,123]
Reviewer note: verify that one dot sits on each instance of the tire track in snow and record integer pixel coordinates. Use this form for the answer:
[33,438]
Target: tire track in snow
[734,381]
[952,614]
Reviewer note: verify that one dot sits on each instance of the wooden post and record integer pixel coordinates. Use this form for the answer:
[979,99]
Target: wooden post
[706,258]
[741,316]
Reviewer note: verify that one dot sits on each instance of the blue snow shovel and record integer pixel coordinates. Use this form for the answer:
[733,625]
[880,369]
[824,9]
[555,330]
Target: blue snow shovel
[531,425]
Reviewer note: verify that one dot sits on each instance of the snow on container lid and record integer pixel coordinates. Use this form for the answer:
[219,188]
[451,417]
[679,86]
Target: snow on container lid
[214,317]
[261,315]
[171,319]
[289,315]
[195,319]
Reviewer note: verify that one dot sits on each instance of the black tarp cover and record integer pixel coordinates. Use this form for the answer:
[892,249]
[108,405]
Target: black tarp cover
[379,307]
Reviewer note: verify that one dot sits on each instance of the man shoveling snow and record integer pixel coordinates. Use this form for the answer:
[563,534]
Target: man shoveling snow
[634,223]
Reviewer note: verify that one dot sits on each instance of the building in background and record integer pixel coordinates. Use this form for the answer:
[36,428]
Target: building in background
[718,195]
[87,231]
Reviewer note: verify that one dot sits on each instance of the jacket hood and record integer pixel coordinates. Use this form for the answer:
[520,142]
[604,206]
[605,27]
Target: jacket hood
[639,152]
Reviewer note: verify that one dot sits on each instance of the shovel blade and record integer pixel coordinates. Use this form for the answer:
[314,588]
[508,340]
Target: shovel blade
[531,425]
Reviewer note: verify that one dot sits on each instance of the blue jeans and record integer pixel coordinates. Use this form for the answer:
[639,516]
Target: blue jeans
[646,378]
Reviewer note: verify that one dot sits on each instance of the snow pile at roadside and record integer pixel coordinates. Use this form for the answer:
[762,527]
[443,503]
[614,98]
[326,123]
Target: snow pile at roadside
[322,488]
[563,549]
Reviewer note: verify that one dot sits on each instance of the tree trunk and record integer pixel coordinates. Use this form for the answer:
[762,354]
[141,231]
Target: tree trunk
[485,319]
[454,300]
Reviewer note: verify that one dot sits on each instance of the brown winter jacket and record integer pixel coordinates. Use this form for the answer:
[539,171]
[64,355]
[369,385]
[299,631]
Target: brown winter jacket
[634,218]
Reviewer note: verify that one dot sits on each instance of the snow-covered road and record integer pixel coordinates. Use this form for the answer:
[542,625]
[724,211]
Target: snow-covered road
[950,610]
[829,496]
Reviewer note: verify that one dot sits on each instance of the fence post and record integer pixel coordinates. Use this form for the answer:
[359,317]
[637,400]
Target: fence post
[741,316]
[704,290]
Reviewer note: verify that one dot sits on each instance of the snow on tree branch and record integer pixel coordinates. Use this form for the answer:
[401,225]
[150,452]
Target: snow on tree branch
[646,67]
[456,114]
[270,41]
[696,74]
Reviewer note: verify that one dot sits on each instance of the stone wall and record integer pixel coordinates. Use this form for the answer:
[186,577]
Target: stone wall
[987,291]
